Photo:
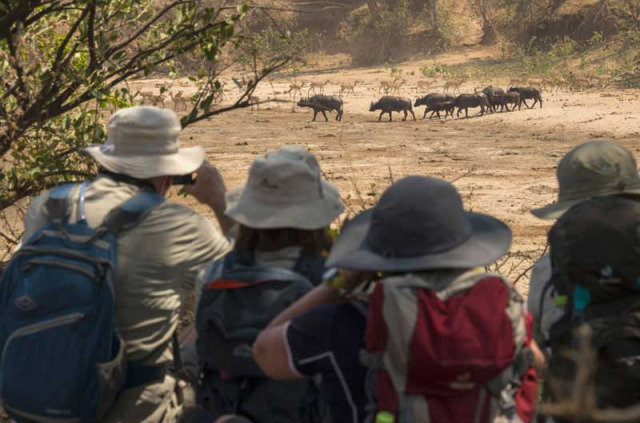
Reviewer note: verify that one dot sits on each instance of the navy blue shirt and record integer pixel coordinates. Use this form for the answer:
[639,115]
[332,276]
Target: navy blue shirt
[327,341]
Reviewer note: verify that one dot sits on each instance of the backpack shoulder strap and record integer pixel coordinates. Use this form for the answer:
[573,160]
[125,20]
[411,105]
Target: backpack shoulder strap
[132,211]
[58,204]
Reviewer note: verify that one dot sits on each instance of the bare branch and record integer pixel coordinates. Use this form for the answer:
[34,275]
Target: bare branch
[57,62]
[15,15]
[93,60]
[144,27]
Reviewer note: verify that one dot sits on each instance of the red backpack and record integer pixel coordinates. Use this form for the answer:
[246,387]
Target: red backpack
[450,348]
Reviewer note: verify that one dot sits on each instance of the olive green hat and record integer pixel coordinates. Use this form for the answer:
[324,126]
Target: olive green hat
[592,169]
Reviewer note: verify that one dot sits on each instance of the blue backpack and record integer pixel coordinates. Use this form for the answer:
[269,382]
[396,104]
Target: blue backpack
[62,357]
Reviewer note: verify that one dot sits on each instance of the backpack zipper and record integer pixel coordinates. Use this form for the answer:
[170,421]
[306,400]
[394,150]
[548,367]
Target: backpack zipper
[62,264]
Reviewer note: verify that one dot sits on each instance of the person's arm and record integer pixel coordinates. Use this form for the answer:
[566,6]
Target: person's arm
[539,359]
[270,349]
[325,293]
[270,352]
[321,294]
[209,188]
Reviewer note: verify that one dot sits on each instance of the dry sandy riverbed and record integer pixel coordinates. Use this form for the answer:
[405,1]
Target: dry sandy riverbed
[503,164]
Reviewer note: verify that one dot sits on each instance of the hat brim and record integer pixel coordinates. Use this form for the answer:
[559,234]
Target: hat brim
[556,210]
[185,161]
[245,209]
[490,240]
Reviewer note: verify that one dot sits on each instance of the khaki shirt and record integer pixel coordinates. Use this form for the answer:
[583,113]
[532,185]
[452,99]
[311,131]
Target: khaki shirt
[158,261]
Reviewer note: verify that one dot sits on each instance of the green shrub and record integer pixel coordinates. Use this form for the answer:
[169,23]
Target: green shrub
[436,70]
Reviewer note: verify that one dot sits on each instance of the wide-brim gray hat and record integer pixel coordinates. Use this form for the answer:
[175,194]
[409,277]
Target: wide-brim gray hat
[142,142]
[285,189]
[592,169]
[419,224]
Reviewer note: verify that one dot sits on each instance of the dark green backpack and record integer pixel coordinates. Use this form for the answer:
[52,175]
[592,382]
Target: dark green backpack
[595,255]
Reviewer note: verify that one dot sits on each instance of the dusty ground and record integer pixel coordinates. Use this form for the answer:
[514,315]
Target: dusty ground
[503,164]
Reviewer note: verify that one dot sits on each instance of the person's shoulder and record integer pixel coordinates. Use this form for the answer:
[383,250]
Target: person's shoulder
[176,217]
[171,209]
[37,204]
[329,316]
[35,216]
[541,271]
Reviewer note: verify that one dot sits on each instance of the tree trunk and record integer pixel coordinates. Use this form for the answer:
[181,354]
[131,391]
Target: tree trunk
[489,34]
[434,15]
[374,9]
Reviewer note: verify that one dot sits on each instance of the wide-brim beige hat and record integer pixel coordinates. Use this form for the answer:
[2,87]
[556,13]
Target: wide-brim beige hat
[143,143]
[593,169]
[285,190]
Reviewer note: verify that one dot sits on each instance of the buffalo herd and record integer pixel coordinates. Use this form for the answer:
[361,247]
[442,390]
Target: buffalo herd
[490,100]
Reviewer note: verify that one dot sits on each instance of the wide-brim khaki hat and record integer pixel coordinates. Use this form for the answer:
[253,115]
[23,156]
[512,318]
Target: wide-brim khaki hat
[285,189]
[142,142]
[593,169]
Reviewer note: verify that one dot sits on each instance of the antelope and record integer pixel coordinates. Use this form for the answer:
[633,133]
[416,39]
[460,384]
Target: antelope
[158,99]
[388,85]
[146,96]
[346,87]
[578,83]
[561,84]
[295,87]
[254,101]
[536,83]
[392,86]
[163,86]
[319,85]
[179,102]
[426,83]
[397,84]
[241,83]
[514,82]
[598,81]
[455,84]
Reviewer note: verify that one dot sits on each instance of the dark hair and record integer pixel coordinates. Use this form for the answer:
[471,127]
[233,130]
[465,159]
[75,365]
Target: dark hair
[312,242]
[119,177]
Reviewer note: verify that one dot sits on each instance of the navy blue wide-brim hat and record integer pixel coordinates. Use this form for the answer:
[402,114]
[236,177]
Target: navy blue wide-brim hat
[419,223]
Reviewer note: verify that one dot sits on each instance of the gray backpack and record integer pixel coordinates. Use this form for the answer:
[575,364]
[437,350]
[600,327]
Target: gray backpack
[235,305]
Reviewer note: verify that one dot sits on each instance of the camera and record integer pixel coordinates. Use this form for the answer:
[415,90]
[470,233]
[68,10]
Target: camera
[183,179]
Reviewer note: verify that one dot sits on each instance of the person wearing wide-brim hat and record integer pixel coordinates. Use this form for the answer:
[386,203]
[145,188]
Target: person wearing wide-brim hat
[160,257]
[418,229]
[283,215]
[283,212]
[419,224]
[590,170]
[285,189]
